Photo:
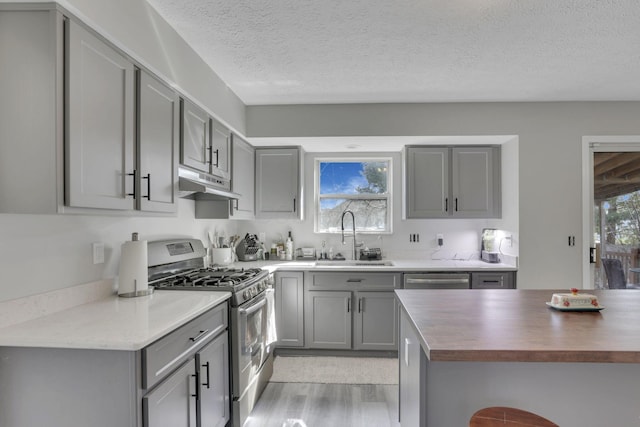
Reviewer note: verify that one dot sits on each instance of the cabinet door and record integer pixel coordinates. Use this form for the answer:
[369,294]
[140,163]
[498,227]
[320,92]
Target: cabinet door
[100,115]
[290,309]
[375,321]
[158,115]
[173,402]
[195,143]
[220,150]
[409,355]
[473,182]
[328,319]
[427,182]
[243,182]
[277,183]
[213,382]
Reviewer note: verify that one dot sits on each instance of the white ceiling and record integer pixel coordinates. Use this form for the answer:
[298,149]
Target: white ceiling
[364,51]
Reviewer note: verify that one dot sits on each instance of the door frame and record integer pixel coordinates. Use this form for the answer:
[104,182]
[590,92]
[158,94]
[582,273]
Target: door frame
[608,143]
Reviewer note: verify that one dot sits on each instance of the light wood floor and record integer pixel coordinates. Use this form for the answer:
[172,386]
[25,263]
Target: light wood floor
[326,405]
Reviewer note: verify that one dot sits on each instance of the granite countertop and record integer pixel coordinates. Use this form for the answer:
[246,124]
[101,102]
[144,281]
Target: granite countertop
[517,326]
[112,323]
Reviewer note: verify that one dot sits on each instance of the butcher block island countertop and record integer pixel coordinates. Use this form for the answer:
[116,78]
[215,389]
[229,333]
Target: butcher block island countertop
[464,350]
[517,325]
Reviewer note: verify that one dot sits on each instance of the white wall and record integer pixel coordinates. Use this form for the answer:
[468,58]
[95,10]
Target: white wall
[40,253]
[549,166]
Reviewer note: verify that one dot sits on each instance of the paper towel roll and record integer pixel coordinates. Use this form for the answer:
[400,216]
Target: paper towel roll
[133,278]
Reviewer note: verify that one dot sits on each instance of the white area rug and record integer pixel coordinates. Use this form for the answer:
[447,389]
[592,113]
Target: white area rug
[335,370]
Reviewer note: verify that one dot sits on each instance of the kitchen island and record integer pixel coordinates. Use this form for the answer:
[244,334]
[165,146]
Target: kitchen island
[461,351]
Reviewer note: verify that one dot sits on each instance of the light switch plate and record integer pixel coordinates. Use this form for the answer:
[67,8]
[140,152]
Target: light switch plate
[98,252]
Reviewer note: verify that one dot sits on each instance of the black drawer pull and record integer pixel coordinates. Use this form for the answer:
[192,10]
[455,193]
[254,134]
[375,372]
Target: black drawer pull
[200,335]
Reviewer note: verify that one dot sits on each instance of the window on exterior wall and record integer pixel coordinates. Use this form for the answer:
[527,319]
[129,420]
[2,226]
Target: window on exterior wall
[361,186]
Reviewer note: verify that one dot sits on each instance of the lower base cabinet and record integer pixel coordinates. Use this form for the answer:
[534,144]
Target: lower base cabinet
[289,308]
[176,381]
[197,394]
[411,371]
[351,311]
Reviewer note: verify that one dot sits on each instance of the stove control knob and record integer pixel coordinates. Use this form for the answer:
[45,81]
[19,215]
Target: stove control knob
[246,294]
[254,292]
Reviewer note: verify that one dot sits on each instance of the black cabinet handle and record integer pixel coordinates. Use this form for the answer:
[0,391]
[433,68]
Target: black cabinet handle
[148,178]
[200,335]
[294,204]
[134,174]
[196,387]
[210,161]
[206,365]
[217,158]
[359,305]
[456,204]
[446,204]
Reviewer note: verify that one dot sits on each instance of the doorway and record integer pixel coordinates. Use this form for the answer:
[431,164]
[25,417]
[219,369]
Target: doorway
[611,207]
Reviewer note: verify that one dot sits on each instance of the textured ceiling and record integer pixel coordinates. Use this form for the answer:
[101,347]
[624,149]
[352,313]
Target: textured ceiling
[353,51]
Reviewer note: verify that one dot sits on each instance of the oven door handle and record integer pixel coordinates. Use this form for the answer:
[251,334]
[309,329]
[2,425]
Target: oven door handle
[252,309]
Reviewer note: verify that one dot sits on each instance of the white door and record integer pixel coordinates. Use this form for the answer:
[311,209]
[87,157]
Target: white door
[611,206]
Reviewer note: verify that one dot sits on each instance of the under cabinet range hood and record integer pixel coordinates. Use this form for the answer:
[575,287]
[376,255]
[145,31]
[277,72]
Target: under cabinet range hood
[192,182]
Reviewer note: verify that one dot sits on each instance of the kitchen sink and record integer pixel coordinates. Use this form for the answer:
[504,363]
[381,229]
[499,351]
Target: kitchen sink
[344,263]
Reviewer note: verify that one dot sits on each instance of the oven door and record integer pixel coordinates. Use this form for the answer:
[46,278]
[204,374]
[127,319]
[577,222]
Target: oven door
[251,321]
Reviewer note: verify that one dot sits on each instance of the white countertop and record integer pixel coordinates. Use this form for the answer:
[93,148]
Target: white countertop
[428,265]
[113,323]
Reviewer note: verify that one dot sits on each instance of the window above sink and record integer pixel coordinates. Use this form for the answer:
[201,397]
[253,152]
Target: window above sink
[360,185]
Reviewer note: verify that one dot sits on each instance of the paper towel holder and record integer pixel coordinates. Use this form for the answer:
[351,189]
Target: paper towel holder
[136,292]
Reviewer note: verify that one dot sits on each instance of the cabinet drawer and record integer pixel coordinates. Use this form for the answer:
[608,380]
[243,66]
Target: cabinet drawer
[352,280]
[163,356]
[498,280]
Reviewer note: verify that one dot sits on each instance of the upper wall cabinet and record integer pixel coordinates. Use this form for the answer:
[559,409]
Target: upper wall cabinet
[205,142]
[242,183]
[100,121]
[158,133]
[279,173]
[97,131]
[452,182]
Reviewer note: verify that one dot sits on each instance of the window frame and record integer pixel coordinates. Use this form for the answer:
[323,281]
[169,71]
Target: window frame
[388,196]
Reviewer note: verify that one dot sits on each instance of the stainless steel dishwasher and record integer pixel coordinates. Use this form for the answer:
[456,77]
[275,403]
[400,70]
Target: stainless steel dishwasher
[437,280]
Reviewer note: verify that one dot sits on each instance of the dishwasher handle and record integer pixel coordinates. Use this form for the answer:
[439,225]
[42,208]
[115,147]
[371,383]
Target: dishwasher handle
[440,281]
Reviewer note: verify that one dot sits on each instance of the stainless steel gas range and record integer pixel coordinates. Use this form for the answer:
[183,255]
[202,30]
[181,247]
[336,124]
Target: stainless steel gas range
[178,264]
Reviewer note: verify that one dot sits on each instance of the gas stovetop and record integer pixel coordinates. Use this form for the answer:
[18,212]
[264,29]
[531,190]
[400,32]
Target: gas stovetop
[178,265]
[228,279]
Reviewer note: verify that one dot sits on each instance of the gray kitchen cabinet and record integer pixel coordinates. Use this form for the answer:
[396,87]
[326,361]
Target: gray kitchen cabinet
[289,308]
[220,150]
[493,280]
[171,403]
[279,173]
[362,303]
[93,145]
[158,133]
[375,326]
[195,137]
[243,182]
[205,142]
[411,371]
[212,366]
[452,182]
[100,140]
[328,319]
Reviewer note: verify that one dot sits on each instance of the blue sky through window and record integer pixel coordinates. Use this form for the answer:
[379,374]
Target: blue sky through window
[341,177]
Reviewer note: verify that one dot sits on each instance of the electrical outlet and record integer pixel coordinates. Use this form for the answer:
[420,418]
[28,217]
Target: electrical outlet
[414,238]
[98,252]
[440,239]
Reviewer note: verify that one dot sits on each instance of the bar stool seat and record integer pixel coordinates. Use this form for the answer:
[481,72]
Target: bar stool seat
[499,416]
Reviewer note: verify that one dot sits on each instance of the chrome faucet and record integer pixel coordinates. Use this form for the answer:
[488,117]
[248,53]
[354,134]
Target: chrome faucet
[353,222]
